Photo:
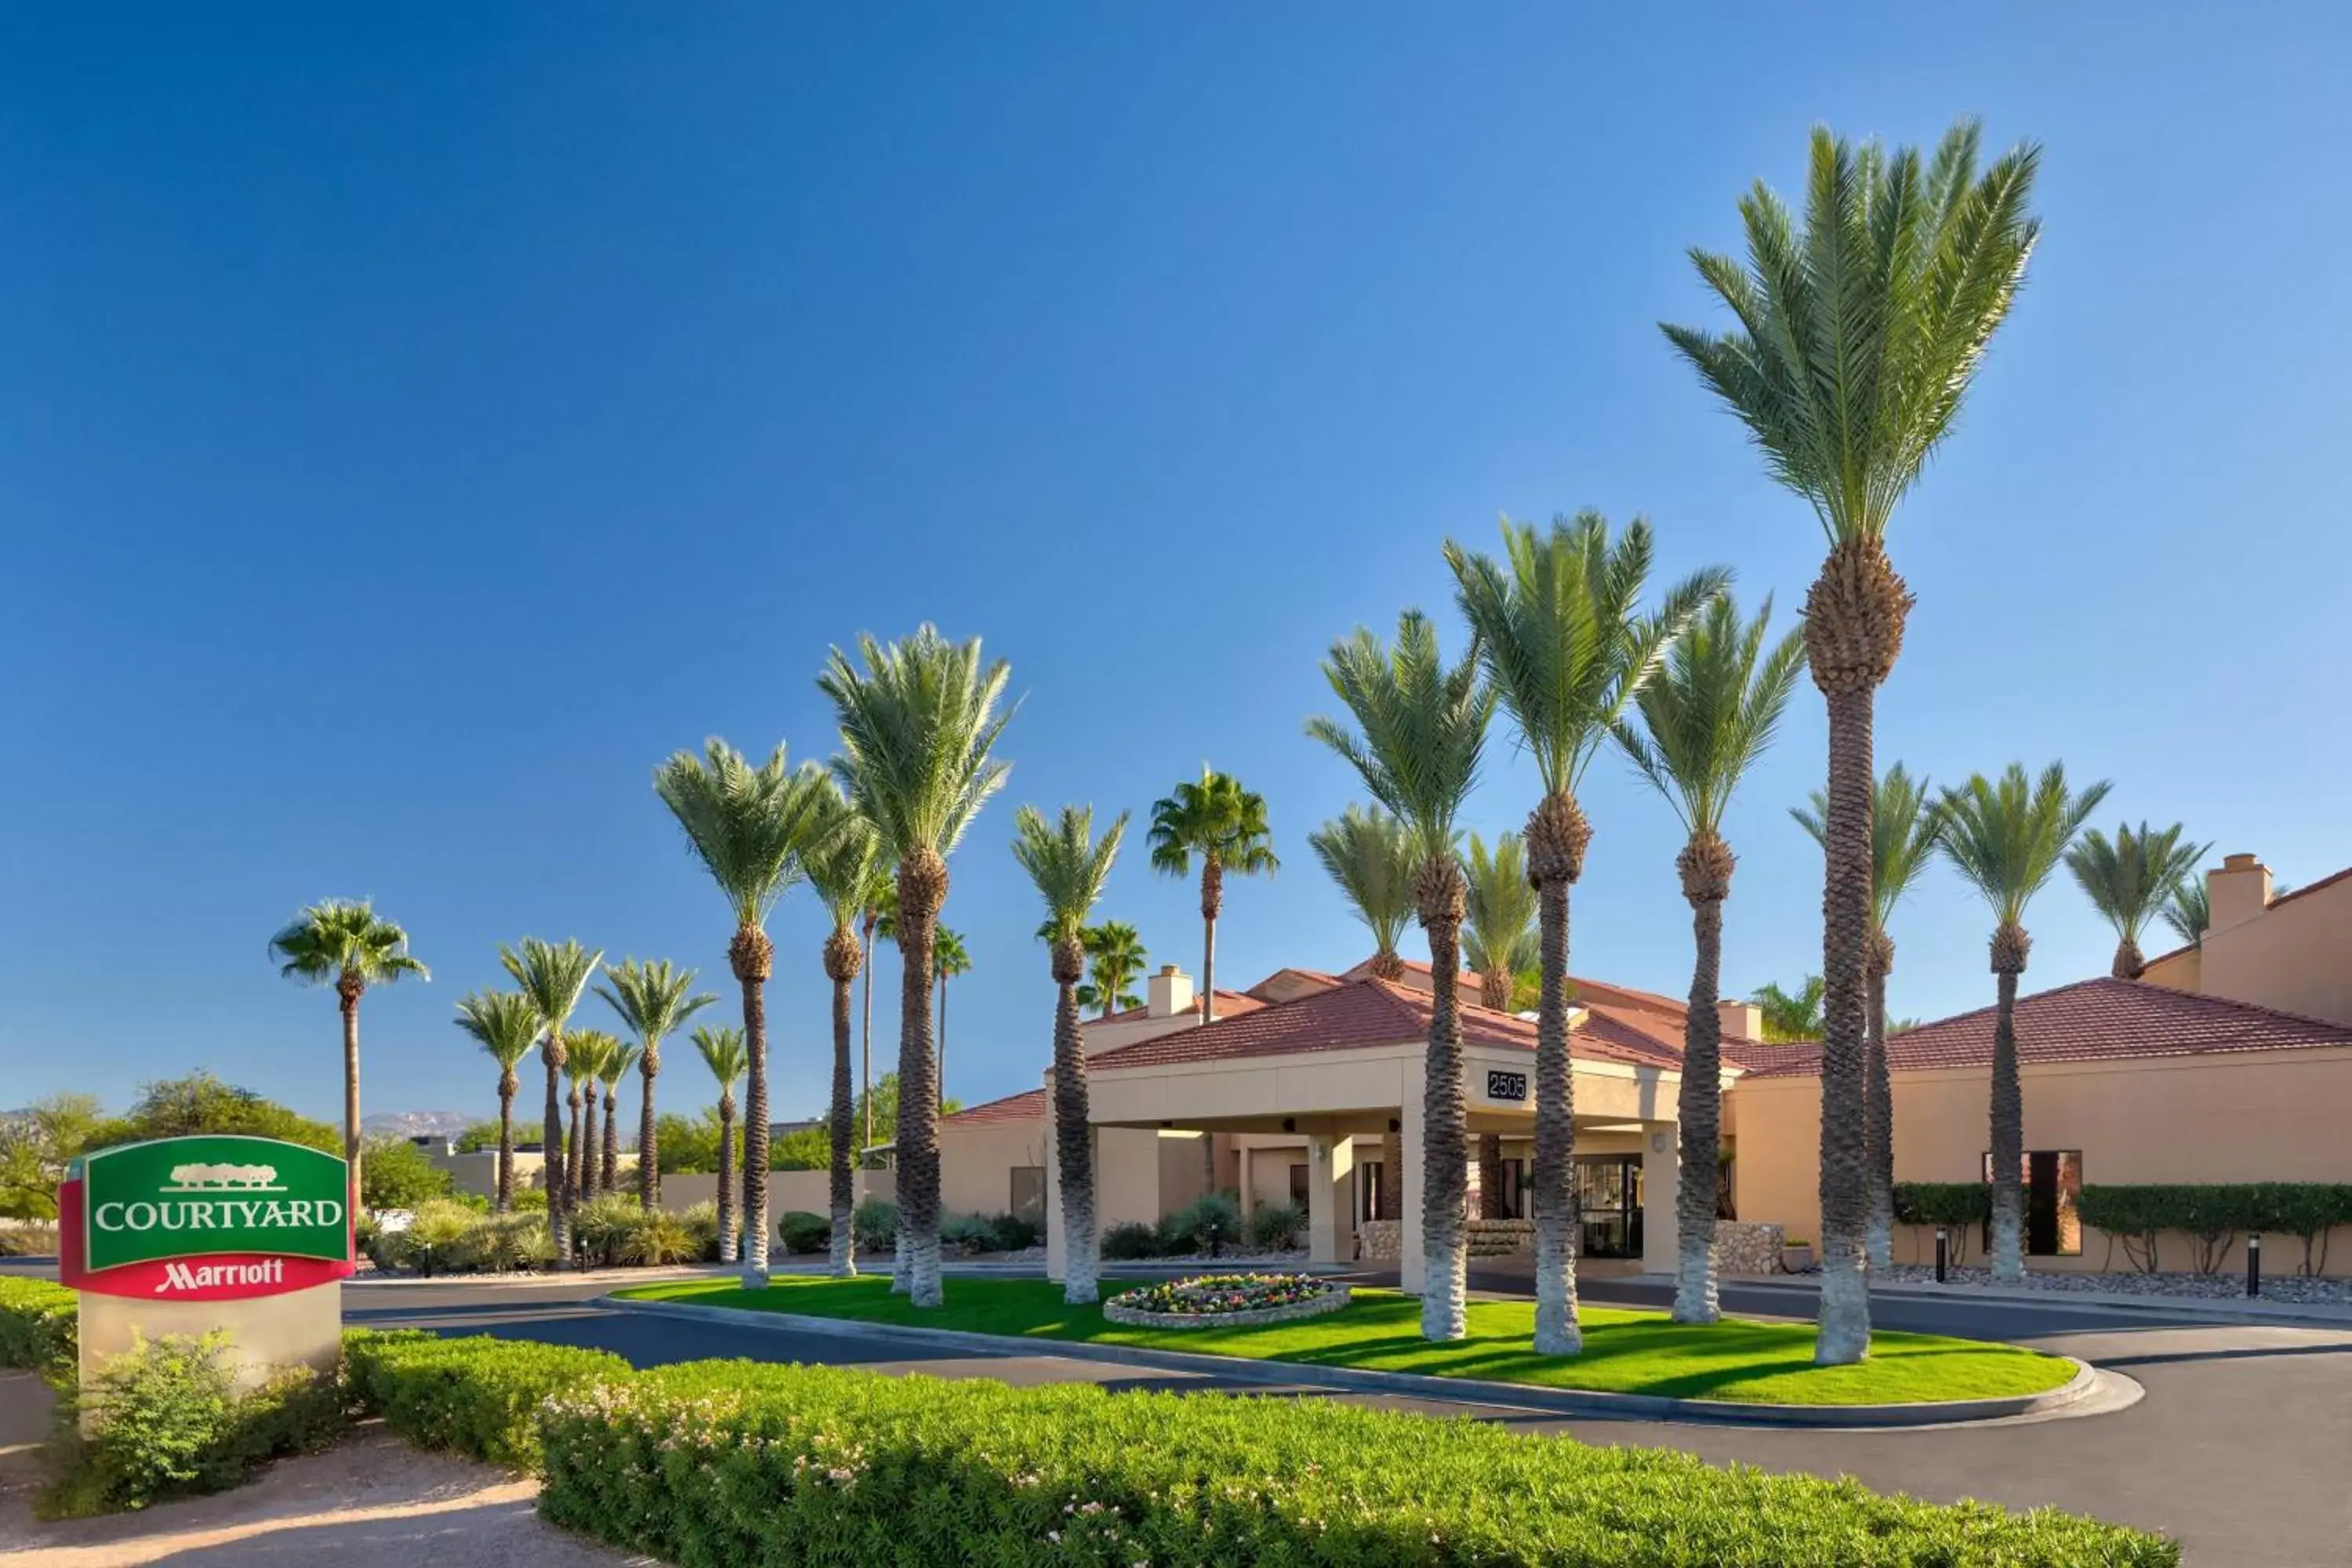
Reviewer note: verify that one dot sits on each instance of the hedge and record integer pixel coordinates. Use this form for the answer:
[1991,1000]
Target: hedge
[713,1463]
[37,1323]
[477,1396]
[2213,1215]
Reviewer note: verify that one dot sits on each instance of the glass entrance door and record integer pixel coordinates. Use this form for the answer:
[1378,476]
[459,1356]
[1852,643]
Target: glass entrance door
[1609,1203]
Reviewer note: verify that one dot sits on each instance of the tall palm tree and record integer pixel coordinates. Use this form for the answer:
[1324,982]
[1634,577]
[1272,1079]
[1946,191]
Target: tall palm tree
[1790,1015]
[918,726]
[654,1000]
[2006,838]
[1567,648]
[1705,718]
[1499,942]
[619,1063]
[1370,855]
[2129,879]
[2187,912]
[586,1053]
[552,975]
[1225,826]
[948,959]
[1069,864]
[1904,822]
[724,1054]
[1115,961]
[1421,729]
[343,942]
[1853,345]
[884,899]
[844,868]
[507,1026]
[748,825]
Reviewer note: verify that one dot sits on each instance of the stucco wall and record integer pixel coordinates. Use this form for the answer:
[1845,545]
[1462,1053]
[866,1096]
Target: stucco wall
[808,1191]
[2258,1116]
[976,1161]
[2296,955]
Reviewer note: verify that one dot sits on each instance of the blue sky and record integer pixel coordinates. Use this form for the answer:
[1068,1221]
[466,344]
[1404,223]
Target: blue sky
[414,424]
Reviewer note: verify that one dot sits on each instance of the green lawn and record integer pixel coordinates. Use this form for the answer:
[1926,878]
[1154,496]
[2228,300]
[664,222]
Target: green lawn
[1625,1353]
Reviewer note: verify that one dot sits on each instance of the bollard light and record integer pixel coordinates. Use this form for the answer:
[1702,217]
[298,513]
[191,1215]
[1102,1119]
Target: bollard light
[2254,1264]
[1942,1242]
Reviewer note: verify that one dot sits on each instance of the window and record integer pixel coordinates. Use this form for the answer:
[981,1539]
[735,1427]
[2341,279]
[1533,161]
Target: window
[2054,1185]
[1298,1187]
[1028,1190]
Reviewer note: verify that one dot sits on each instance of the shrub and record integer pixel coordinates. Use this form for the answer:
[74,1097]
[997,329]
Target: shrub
[35,1241]
[2308,1211]
[1274,1225]
[660,1239]
[803,1232]
[37,1320]
[600,1229]
[530,1200]
[701,1222]
[1961,1207]
[509,1244]
[876,1225]
[722,1463]
[1014,1232]
[396,1174]
[1130,1241]
[474,1396]
[1212,1219]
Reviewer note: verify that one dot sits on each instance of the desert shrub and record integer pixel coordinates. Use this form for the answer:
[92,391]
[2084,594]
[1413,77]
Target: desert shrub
[1014,1232]
[1127,1242]
[1274,1225]
[701,1222]
[1212,1219]
[32,1240]
[876,1226]
[396,1174]
[474,1396]
[658,1240]
[600,1229]
[530,1200]
[803,1232]
[509,1244]
[968,1233]
[729,1462]
[1961,1207]
[37,1320]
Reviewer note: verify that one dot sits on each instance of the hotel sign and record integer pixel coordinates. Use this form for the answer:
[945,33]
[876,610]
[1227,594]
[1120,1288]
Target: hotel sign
[204,1219]
[1510,1086]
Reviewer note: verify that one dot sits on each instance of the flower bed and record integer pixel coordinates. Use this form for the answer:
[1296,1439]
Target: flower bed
[1226,1301]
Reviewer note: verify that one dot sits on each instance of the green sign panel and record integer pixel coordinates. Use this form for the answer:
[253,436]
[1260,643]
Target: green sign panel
[194,1197]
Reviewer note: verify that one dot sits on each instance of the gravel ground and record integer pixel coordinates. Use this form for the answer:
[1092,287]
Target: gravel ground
[2288,1287]
[374,1502]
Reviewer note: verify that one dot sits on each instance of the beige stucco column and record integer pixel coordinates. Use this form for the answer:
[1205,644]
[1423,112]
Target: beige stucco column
[1247,1175]
[1413,1264]
[1661,1175]
[1330,1172]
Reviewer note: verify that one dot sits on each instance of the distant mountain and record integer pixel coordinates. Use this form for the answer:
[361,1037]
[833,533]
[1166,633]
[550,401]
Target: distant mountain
[415,1124]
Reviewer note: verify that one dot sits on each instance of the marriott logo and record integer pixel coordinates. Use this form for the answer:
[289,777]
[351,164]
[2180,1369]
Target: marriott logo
[205,1277]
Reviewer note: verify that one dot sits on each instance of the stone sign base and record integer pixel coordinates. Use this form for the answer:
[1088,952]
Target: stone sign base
[266,1334]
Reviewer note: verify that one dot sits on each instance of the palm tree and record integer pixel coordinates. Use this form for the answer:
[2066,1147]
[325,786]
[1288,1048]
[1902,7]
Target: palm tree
[1904,826]
[1705,718]
[844,868]
[749,826]
[949,960]
[1854,342]
[1371,856]
[1225,826]
[654,1000]
[1422,728]
[2127,879]
[1069,866]
[876,914]
[1499,942]
[552,975]
[585,1056]
[917,725]
[1790,1015]
[2187,912]
[2006,838]
[343,942]
[723,1053]
[1567,649]
[507,1026]
[1115,958]
[621,1061]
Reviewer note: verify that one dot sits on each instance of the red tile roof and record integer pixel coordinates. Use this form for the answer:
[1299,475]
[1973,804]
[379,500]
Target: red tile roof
[1229,1004]
[2091,1020]
[1366,1013]
[1026,1107]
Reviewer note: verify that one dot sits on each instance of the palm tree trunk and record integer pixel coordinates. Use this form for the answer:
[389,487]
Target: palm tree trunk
[728,1250]
[648,1143]
[1843,1335]
[842,957]
[1490,1176]
[1445,1153]
[2009,950]
[1556,833]
[590,1163]
[1878,1116]
[1074,1139]
[576,1157]
[609,1181]
[559,1193]
[348,996]
[1213,898]
[2129,965]
[922,890]
[752,957]
[507,1088]
[866,1048]
[1706,865]
[943,1042]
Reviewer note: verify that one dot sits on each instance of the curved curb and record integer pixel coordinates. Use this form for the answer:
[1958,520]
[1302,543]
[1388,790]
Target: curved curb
[2087,1379]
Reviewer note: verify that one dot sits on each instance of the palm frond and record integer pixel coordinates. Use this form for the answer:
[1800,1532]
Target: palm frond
[1215,818]
[344,940]
[2131,878]
[551,974]
[654,999]
[2186,911]
[1499,934]
[844,861]
[2006,837]
[1370,854]
[1710,711]
[1115,958]
[1905,823]
[723,1053]
[1421,725]
[918,725]
[1066,862]
[504,1023]
[748,825]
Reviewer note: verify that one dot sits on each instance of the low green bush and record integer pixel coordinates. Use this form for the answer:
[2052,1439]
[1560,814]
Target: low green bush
[28,1240]
[530,1200]
[1211,1220]
[1128,1242]
[720,1463]
[660,1240]
[803,1233]
[1274,1225]
[476,1396]
[1962,1208]
[977,1232]
[875,1223]
[700,1222]
[2213,1215]
[37,1321]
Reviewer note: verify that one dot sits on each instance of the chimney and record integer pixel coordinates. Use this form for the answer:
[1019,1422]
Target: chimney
[1168,994]
[1740,1020]
[2237,892]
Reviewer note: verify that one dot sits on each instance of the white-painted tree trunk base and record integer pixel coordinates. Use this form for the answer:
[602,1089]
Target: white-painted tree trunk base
[1843,1338]
[1444,1294]
[923,1285]
[1695,1284]
[902,1275]
[1878,1239]
[2007,1244]
[1557,1330]
[755,1275]
[844,1257]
